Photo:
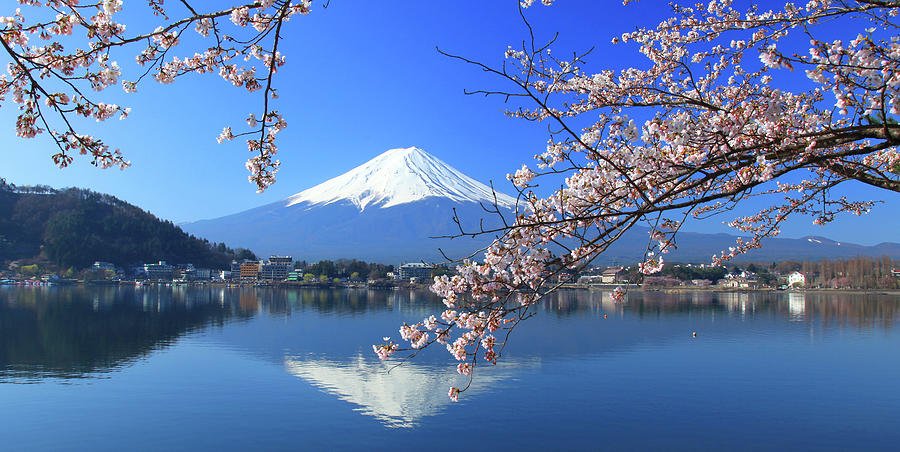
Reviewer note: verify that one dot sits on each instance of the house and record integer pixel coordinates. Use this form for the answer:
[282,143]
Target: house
[611,275]
[158,271]
[415,270]
[796,279]
[738,283]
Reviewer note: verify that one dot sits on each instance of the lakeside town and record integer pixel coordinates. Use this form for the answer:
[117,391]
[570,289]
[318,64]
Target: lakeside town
[858,273]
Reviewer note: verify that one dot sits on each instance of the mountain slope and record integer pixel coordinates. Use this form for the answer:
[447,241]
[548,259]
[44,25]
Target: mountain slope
[699,248]
[397,233]
[399,176]
[386,209]
[75,227]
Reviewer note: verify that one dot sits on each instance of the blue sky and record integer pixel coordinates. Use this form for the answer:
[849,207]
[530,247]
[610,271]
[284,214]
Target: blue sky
[361,78]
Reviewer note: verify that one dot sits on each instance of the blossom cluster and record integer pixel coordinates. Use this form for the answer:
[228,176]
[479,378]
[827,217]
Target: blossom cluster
[722,128]
[64,46]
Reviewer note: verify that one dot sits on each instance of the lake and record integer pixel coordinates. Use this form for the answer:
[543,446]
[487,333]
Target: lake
[209,368]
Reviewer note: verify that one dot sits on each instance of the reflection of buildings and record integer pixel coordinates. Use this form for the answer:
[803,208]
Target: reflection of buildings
[580,300]
[797,305]
[398,396]
[248,301]
[737,302]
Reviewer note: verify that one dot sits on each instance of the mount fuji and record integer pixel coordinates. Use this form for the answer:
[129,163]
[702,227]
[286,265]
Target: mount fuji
[385,210]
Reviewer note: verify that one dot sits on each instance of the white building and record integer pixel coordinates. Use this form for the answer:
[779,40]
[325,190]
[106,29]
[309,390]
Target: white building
[159,271]
[611,275]
[796,279]
[197,274]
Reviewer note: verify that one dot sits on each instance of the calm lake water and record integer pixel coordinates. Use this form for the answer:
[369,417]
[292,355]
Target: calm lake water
[221,369]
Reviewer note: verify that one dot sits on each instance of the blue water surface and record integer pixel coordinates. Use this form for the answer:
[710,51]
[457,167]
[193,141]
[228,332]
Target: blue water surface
[211,368]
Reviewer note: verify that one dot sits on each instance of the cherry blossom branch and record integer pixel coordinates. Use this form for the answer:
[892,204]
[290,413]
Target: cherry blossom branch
[703,128]
[37,68]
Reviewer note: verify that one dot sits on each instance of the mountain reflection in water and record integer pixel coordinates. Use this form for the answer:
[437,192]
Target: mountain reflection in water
[398,395]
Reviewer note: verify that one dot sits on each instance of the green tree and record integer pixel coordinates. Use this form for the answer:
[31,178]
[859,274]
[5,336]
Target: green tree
[30,270]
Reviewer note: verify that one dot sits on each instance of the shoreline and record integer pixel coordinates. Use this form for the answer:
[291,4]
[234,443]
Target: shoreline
[390,285]
[788,291]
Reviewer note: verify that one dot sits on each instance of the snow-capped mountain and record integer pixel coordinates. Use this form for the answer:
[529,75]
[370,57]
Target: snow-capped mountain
[385,210]
[400,176]
[390,208]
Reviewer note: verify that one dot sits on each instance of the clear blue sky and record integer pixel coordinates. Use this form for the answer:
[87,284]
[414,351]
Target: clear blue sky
[361,78]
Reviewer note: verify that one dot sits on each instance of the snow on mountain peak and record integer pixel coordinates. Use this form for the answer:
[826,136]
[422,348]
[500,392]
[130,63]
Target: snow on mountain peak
[400,176]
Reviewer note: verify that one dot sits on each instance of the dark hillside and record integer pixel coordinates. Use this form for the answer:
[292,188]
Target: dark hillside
[75,227]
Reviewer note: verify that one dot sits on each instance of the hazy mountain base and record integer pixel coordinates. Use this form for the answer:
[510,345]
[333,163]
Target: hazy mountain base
[386,210]
[696,247]
[312,232]
[401,233]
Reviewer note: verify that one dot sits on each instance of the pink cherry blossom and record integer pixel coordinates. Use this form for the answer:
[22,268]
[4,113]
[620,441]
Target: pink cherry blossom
[74,44]
[711,120]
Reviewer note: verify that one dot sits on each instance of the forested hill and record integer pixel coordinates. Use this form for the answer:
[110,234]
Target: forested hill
[75,227]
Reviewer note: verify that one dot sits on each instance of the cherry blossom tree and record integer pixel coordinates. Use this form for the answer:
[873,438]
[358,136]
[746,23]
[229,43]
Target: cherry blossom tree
[61,59]
[719,115]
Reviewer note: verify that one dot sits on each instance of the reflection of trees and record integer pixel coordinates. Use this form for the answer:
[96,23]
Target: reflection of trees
[73,332]
[76,331]
[642,303]
[855,309]
[348,301]
[864,311]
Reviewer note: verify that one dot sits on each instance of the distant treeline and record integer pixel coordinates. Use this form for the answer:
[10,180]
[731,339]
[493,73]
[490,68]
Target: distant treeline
[75,227]
[858,273]
[685,273]
[347,268]
[861,272]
